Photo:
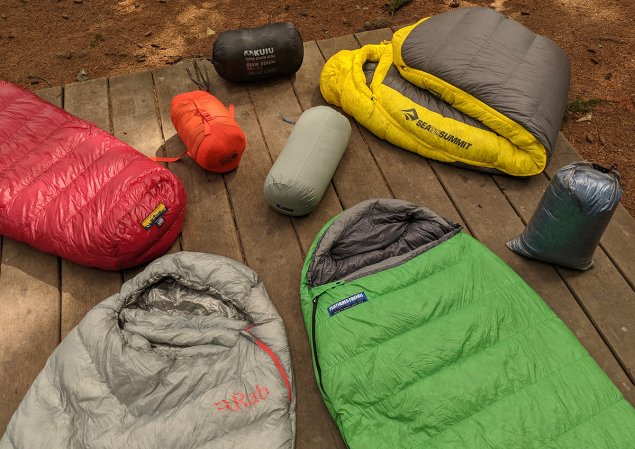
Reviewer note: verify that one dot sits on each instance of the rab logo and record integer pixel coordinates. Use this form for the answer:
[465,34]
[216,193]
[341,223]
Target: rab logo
[411,114]
[259,52]
[241,400]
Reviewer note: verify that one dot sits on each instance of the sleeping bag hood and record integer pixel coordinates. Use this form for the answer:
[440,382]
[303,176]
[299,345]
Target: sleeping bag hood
[189,354]
[470,87]
[422,338]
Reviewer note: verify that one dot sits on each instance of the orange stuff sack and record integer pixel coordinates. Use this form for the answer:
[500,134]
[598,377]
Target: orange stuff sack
[208,130]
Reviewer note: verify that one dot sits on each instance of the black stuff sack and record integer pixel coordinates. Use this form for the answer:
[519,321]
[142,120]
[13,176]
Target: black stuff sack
[572,215]
[255,54]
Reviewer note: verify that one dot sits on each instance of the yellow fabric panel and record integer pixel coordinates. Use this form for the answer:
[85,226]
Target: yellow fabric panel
[469,105]
[382,110]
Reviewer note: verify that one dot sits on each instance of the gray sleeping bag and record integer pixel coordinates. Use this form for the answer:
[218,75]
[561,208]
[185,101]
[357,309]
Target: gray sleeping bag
[190,354]
[521,75]
[469,87]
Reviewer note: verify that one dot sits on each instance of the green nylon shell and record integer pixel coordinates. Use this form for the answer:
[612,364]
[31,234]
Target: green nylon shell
[454,350]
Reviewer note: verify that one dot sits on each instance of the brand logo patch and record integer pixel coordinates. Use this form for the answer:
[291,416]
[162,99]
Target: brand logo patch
[347,303]
[155,217]
[259,52]
[443,134]
[241,400]
[411,114]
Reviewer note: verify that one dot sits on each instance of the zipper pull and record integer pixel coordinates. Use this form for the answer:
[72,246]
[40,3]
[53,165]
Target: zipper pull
[321,289]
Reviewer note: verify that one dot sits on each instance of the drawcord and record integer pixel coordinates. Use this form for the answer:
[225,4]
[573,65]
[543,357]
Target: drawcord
[206,119]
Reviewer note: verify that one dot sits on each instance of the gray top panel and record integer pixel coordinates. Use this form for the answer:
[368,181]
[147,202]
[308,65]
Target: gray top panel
[499,61]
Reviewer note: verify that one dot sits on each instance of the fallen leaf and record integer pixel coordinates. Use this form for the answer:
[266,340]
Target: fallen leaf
[82,75]
[585,118]
[210,32]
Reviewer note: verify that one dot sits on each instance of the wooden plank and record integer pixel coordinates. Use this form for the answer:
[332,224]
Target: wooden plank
[602,292]
[30,318]
[272,249]
[420,186]
[89,101]
[358,177]
[134,114]
[83,287]
[209,226]
[29,322]
[306,86]
[272,98]
[328,47]
[374,36]
[306,82]
[135,120]
[619,239]
[52,94]
[493,221]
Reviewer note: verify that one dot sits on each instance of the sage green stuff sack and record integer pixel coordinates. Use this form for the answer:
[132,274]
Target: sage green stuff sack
[423,338]
[299,177]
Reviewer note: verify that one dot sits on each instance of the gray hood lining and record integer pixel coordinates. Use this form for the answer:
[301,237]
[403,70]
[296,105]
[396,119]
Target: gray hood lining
[373,236]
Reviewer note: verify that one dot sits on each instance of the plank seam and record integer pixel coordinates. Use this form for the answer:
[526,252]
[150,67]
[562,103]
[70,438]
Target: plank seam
[233,214]
[601,333]
[111,128]
[586,311]
[199,63]
[157,111]
[59,299]
[372,155]
[59,260]
[607,252]
[594,323]
[451,198]
[111,122]
[295,93]
[264,140]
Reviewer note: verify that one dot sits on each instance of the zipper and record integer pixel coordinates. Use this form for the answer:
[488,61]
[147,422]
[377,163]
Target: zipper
[316,359]
[315,351]
[273,357]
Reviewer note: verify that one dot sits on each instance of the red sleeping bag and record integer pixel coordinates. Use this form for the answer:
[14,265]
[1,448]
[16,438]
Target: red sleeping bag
[68,188]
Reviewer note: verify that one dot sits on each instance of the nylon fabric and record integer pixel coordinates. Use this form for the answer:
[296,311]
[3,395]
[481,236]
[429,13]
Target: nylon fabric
[69,188]
[211,135]
[189,354]
[451,348]
[492,100]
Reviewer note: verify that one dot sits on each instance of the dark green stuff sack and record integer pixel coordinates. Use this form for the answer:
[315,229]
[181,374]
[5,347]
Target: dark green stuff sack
[574,212]
[423,338]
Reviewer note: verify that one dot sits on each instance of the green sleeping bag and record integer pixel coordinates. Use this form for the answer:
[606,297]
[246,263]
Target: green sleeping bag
[423,338]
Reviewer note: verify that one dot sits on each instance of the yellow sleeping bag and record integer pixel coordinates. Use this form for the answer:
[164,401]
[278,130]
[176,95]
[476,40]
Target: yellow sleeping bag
[467,89]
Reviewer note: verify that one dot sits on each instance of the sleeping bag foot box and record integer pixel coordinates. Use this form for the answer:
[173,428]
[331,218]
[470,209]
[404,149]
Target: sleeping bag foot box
[71,189]
[423,338]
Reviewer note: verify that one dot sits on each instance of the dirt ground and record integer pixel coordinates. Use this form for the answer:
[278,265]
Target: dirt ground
[48,42]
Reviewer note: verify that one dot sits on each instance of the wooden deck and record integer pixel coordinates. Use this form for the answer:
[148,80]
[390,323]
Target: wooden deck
[42,297]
